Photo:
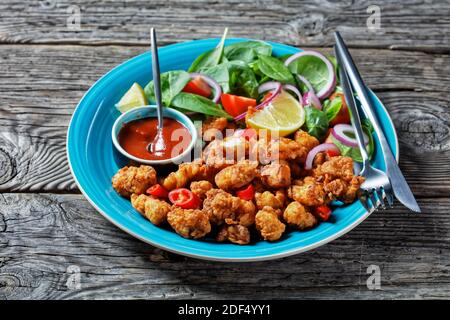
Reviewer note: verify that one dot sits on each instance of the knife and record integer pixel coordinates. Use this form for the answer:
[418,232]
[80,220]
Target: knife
[399,185]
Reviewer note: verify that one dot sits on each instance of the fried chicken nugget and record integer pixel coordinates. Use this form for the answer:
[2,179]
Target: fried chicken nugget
[310,193]
[180,178]
[235,233]
[269,150]
[222,153]
[153,209]
[336,167]
[237,175]
[129,180]
[245,214]
[189,223]
[200,188]
[352,189]
[268,224]
[307,141]
[276,175]
[267,198]
[296,215]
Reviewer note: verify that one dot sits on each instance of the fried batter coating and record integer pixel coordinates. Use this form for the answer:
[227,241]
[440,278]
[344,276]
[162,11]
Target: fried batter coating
[276,175]
[268,224]
[269,150]
[336,188]
[267,198]
[220,205]
[129,180]
[307,141]
[237,175]
[217,123]
[310,193]
[296,215]
[245,214]
[336,167]
[189,223]
[180,178]
[153,209]
[200,188]
[235,233]
[352,189]
[222,153]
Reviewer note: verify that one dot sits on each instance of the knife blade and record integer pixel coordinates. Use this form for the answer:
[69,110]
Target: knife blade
[399,185]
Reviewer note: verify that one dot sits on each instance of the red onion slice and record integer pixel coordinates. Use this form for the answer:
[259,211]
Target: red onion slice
[293,89]
[211,82]
[312,99]
[329,86]
[314,151]
[275,93]
[339,131]
[268,86]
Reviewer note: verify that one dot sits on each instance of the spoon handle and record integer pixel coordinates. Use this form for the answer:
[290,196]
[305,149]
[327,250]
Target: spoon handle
[156,77]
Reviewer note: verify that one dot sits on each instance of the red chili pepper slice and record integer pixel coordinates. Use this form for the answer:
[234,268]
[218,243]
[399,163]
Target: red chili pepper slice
[247,193]
[184,198]
[332,153]
[157,191]
[323,212]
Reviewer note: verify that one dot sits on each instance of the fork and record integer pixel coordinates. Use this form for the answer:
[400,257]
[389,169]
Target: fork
[376,190]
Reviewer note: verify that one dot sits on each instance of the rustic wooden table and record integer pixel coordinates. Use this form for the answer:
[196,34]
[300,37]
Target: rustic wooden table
[54,245]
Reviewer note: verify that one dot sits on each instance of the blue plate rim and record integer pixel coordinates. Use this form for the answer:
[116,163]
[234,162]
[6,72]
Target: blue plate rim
[283,254]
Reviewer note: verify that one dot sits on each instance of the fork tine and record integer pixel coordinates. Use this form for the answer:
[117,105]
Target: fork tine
[374,199]
[389,197]
[382,197]
[363,199]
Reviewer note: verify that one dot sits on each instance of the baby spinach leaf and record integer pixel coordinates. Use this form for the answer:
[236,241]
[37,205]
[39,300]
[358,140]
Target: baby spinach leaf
[275,69]
[247,51]
[172,82]
[332,107]
[221,74]
[210,58]
[316,122]
[313,69]
[243,79]
[196,103]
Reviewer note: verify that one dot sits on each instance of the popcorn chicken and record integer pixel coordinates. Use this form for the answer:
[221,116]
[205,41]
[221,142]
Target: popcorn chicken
[153,209]
[269,199]
[268,224]
[235,233]
[307,141]
[189,223]
[200,188]
[310,193]
[129,180]
[276,175]
[336,167]
[222,153]
[237,175]
[269,150]
[297,216]
[180,178]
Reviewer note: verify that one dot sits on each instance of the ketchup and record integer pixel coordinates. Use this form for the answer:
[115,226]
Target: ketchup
[135,135]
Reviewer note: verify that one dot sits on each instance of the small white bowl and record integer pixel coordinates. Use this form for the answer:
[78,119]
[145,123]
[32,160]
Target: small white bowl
[151,112]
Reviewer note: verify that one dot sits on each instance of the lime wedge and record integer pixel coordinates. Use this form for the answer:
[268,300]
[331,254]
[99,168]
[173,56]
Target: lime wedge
[283,115]
[135,97]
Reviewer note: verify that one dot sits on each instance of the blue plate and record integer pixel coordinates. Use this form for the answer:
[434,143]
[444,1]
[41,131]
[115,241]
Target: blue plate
[93,161]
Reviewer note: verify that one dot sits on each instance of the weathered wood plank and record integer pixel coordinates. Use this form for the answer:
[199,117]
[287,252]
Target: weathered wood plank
[40,85]
[41,236]
[412,24]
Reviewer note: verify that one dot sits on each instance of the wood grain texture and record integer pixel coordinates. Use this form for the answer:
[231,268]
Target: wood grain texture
[41,85]
[42,235]
[411,24]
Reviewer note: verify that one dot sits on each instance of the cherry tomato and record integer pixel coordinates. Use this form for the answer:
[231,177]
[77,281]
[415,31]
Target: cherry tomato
[236,105]
[247,193]
[198,86]
[323,212]
[157,191]
[332,153]
[184,198]
[343,115]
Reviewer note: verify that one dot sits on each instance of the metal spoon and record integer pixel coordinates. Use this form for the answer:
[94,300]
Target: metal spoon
[157,146]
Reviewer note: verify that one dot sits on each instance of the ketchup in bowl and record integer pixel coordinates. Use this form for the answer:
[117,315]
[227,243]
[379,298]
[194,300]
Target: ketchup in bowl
[135,136]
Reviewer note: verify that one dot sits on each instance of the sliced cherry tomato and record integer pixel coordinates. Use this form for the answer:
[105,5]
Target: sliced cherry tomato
[343,115]
[236,105]
[247,193]
[198,86]
[332,153]
[323,212]
[184,198]
[157,191]
[267,96]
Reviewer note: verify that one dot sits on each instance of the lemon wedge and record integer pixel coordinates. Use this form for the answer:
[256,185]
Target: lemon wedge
[135,97]
[283,115]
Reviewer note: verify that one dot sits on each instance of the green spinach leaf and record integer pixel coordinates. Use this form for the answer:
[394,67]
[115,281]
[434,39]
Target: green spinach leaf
[172,82]
[313,69]
[210,58]
[316,122]
[247,51]
[332,107]
[196,103]
[275,69]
